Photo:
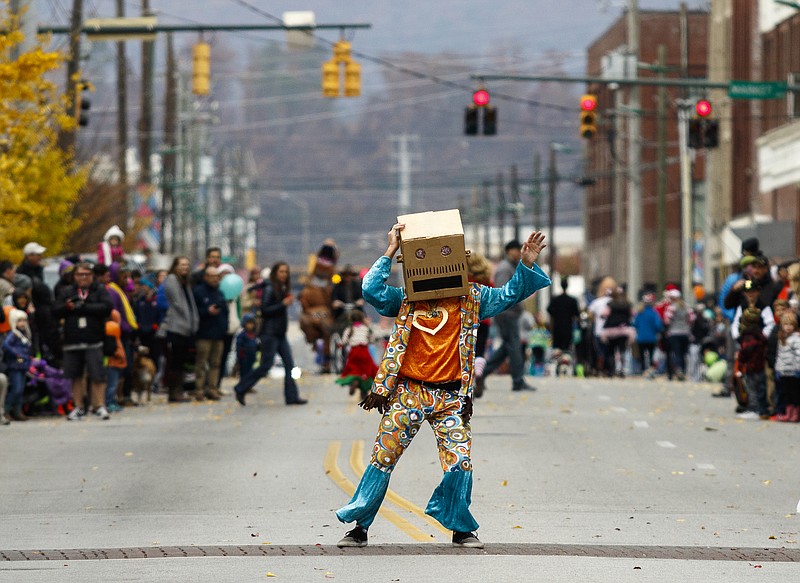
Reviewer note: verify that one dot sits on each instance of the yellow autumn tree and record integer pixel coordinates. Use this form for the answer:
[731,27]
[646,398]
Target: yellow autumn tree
[39,183]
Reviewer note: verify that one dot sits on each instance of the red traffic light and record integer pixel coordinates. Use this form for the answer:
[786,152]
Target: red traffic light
[480,98]
[588,103]
[703,108]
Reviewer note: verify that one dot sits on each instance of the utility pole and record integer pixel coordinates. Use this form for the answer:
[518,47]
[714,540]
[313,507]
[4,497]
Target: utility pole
[661,201]
[686,198]
[66,138]
[536,191]
[634,159]
[476,218]
[170,153]
[515,201]
[403,166]
[618,237]
[146,120]
[122,118]
[501,209]
[552,177]
[487,213]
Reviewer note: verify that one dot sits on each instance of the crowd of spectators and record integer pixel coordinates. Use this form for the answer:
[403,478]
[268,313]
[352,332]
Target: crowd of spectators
[114,330]
[745,337]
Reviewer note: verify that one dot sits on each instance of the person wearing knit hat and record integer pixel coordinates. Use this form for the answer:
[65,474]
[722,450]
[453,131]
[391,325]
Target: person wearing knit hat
[110,249]
[752,325]
[750,247]
[17,351]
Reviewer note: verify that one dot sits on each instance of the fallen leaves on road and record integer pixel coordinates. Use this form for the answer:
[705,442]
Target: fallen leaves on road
[271,574]
[128,454]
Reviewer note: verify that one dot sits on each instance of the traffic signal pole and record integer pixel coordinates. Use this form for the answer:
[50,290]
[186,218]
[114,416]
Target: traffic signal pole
[687,240]
[634,160]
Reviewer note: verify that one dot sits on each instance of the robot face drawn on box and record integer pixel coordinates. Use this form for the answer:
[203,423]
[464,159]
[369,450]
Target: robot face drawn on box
[433,255]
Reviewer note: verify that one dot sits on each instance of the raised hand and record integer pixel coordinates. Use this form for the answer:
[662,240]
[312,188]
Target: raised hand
[394,239]
[532,247]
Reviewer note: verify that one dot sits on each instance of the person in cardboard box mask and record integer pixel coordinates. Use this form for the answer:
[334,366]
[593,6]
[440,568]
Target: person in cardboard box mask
[426,373]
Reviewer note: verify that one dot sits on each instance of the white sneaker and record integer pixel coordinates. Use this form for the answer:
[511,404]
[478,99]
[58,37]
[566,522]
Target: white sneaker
[102,412]
[76,414]
[748,415]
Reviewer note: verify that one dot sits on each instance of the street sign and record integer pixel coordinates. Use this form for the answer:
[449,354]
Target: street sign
[756,89]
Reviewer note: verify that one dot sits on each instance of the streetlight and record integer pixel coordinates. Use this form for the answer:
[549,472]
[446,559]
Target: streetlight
[551,210]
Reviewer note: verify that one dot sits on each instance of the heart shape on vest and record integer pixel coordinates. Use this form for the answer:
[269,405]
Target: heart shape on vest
[431,331]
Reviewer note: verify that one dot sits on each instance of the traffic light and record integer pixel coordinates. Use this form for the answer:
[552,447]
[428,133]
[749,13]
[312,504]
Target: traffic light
[330,79]
[352,79]
[696,133]
[703,131]
[711,138]
[703,108]
[480,110]
[489,121]
[588,116]
[331,73]
[471,120]
[82,102]
[201,68]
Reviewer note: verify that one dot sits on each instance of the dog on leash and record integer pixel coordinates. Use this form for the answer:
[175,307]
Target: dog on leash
[144,373]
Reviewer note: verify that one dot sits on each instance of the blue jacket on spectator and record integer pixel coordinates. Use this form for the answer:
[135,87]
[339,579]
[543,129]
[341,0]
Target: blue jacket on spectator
[148,314]
[212,327]
[16,352]
[723,292]
[648,324]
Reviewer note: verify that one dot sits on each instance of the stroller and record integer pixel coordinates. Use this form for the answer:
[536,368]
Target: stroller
[48,391]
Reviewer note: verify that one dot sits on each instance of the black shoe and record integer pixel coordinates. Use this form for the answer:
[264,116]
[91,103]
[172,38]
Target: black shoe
[240,398]
[467,540]
[298,402]
[740,409]
[523,387]
[722,393]
[480,386]
[355,538]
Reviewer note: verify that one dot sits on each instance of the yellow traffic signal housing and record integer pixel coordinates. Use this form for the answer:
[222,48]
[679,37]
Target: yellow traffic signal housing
[330,79]
[352,79]
[341,51]
[201,69]
[588,124]
[588,117]
[82,102]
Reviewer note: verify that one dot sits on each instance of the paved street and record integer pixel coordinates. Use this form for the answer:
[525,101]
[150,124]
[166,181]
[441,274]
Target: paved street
[570,482]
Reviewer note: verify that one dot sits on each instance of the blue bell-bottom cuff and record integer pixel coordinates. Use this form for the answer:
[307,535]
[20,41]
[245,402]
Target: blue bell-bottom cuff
[367,498]
[450,502]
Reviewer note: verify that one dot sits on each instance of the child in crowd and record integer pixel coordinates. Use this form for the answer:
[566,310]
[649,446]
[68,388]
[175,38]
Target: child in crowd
[359,369]
[115,364]
[17,352]
[773,390]
[752,361]
[787,367]
[110,250]
[247,344]
[648,326]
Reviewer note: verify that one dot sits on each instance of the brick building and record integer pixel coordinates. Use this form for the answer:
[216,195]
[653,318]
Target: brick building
[605,220]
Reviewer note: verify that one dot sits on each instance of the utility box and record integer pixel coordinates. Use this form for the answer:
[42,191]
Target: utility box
[434,255]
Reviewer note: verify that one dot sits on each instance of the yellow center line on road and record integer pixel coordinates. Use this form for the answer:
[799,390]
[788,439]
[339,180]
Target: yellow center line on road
[337,477]
[357,463]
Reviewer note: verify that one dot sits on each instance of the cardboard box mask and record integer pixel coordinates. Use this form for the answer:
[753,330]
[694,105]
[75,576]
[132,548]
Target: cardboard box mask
[433,255]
